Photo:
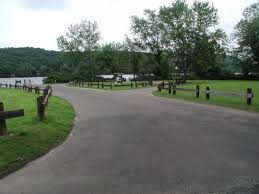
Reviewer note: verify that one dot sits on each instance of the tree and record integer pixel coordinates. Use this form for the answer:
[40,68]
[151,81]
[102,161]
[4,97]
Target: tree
[133,55]
[79,45]
[82,37]
[147,34]
[247,36]
[111,55]
[190,35]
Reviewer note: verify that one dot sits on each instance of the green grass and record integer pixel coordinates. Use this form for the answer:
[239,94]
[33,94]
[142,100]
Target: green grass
[28,138]
[114,86]
[222,85]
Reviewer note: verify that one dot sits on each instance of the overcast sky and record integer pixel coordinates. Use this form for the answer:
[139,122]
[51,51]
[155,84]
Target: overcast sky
[37,23]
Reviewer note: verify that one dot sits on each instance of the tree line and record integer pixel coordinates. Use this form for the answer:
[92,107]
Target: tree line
[28,62]
[178,40]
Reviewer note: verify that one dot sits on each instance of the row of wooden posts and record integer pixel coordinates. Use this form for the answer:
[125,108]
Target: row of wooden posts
[42,103]
[110,85]
[36,89]
[172,88]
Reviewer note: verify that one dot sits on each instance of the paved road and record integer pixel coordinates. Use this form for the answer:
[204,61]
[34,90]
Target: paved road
[132,142]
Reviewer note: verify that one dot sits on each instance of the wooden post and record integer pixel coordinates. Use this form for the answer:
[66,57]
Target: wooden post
[40,107]
[45,92]
[207,93]
[249,96]
[3,128]
[197,91]
[159,88]
[7,115]
[174,89]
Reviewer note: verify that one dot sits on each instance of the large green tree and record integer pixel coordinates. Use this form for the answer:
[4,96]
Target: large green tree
[80,37]
[147,36]
[79,45]
[247,36]
[191,36]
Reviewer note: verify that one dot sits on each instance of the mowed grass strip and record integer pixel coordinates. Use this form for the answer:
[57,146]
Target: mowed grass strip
[29,138]
[215,99]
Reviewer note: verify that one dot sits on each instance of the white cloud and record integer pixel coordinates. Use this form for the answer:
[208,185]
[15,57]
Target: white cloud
[38,23]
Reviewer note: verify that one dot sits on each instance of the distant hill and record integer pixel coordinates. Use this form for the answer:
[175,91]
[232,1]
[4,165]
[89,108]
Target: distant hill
[25,62]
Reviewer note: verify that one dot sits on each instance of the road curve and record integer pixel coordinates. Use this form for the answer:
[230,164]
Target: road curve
[133,142]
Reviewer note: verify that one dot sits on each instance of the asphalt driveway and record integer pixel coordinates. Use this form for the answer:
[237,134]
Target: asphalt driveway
[133,142]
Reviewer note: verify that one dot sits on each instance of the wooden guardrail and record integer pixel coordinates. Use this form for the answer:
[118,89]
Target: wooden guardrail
[7,115]
[110,84]
[172,88]
[31,88]
[42,103]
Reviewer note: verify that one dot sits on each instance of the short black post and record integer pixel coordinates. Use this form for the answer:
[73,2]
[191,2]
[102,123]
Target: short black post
[159,88]
[41,107]
[98,85]
[91,84]
[197,91]
[3,128]
[174,89]
[142,84]
[170,88]
[111,86]
[10,86]
[6,85]
[131,85]
[163,84]
[136,84]
[207,93]
[249,96]
[102,85]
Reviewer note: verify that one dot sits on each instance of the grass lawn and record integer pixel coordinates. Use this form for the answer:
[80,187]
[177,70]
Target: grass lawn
[114,86]
[28,138]
[222,85]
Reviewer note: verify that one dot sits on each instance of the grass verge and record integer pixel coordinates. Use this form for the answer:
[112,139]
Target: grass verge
[28,138]
[222,85]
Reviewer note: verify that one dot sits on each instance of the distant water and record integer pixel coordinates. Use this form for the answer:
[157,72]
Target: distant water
[126,76]
[34,80]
